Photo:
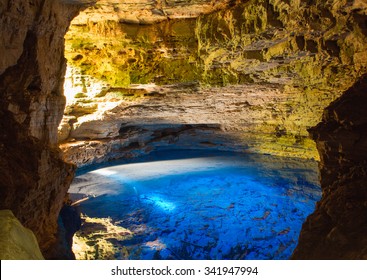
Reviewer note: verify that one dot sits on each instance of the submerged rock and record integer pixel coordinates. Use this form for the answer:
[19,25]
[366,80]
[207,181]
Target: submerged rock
[208,205]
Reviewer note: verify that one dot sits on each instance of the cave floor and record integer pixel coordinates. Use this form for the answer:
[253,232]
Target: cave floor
[182,204]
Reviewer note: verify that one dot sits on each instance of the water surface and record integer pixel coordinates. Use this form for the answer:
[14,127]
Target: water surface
[203,204]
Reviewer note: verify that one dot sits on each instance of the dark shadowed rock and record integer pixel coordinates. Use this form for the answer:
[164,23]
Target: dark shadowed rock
[33,178]
[338,228]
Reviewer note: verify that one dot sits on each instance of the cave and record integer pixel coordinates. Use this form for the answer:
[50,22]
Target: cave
[91,89]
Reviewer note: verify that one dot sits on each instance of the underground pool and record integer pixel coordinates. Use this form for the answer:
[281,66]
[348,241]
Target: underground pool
[192,204]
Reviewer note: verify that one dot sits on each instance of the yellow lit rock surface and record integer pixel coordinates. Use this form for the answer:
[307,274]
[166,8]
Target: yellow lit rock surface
[148,11]
[99,238]
[296,58]
[16,241]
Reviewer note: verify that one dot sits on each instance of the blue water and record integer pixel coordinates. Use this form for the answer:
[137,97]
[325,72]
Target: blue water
[204,205]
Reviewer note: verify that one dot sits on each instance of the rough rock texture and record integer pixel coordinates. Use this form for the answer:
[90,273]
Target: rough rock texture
[16,241]
[306,55]
[338,228]
[286,42]
[33,177]
[183,116]
[149,11]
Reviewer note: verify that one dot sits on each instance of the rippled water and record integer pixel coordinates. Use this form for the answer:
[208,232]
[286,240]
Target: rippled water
[203,204]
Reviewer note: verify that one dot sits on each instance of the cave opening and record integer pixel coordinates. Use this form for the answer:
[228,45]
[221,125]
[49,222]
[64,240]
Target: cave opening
[245,79]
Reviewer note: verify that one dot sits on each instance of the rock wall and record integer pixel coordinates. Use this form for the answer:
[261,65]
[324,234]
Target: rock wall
[306,55]
[149,11]
[33,178]
[177,116]
[338,227]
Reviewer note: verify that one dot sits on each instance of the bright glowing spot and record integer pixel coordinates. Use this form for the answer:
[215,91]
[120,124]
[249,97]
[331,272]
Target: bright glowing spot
[70,88]
[155,169]
[76,83]
[159,202]
[104,172]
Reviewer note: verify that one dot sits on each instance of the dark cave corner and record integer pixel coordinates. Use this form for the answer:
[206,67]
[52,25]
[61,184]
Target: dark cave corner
[337,229]
[34,178]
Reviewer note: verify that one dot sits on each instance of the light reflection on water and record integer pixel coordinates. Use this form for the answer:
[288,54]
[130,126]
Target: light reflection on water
[204,205]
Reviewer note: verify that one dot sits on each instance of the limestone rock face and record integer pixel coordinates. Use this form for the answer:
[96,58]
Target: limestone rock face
[181,116]
[303,56]
[33,177]
[337,229]
[310,46]
[149,11]
[16,241]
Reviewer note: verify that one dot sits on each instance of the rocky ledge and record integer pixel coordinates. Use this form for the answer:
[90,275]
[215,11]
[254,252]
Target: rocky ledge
[149,11]
[140,119]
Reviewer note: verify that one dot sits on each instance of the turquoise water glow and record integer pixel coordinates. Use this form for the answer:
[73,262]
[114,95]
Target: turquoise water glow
[203,204]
